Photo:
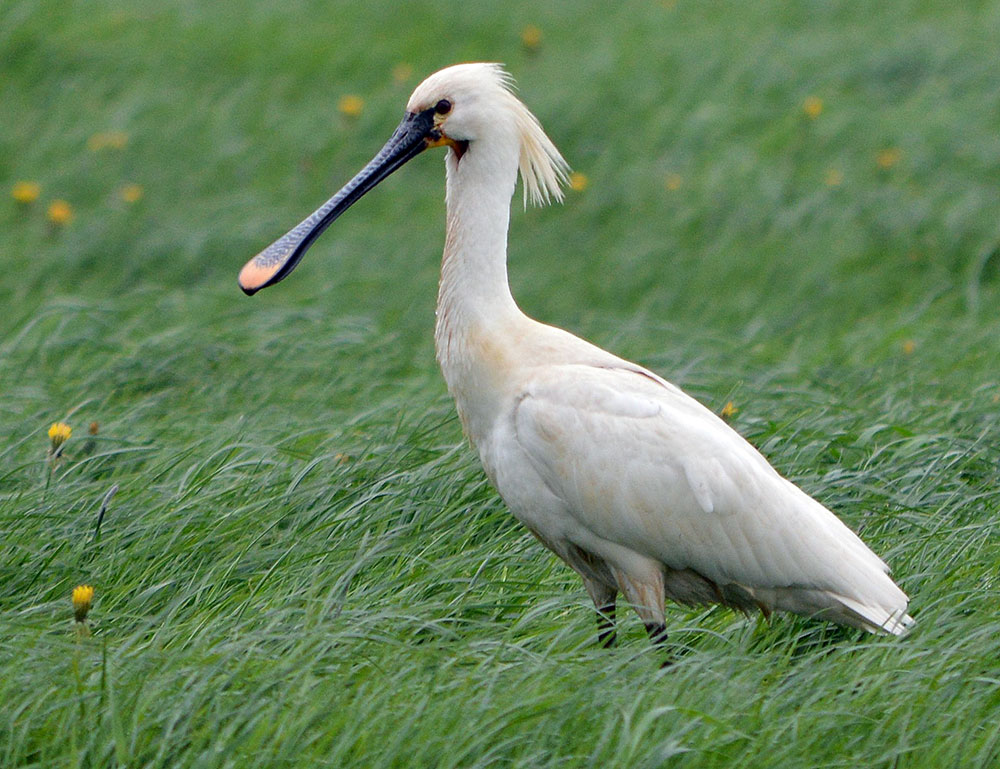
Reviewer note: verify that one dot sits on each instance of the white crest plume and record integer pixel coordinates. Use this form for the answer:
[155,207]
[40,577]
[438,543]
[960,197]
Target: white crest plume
[543,169]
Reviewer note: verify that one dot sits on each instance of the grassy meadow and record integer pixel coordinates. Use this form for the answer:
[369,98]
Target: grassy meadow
[793,207]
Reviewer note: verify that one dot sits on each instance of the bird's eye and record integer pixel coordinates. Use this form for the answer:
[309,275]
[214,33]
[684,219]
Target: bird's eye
[443,107]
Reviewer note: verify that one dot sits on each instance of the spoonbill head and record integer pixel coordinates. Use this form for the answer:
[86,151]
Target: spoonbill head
[451,108]
[634,484]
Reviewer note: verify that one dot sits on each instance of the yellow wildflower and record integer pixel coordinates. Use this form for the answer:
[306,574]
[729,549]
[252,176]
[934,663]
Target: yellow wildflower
[909,346]
[888,157]
[531,37]
[60,212]
[351,105]
[402,72]
[674,182]
[813,107]
[131,193]
[59,433]
[114,140]
[834,178]
[82,597]
[578,182]
[26,192]
[728,410]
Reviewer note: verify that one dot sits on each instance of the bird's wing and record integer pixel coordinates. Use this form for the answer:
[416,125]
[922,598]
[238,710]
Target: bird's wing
[639,463]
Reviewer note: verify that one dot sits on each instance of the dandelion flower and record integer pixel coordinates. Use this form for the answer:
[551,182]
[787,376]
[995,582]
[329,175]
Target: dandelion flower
[59,433]
[531,37]
[674,182]
[728,410]
[888,157]
[402,72]
[60,213]
[578,182]
[909,346]
[114,140]
[83,595]
[813,107]
[351,105]
[26,192]
[131,193]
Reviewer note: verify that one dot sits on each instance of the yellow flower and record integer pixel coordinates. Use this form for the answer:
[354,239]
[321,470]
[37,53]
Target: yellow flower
[107,140]
[909,346]
[82,597]
[674,182]
[834,178]
[728,410]
[578,182]
[531,37]
[131,193]
[26,192]
[60,212]
[59,433]
[402,72]
[351,105]
[813,107]
[888,157]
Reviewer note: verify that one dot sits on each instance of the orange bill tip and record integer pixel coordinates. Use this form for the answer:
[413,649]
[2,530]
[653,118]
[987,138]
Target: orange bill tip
[254,277]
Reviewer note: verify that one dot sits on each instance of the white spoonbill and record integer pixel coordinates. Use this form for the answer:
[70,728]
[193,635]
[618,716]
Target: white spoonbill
[636,485]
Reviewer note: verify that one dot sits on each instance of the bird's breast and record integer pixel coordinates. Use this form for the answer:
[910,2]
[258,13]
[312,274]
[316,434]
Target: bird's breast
[480,369]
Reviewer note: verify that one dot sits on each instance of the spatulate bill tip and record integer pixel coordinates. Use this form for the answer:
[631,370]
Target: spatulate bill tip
[254,276]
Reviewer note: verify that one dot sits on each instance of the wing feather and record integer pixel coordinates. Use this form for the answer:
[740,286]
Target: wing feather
[639,463]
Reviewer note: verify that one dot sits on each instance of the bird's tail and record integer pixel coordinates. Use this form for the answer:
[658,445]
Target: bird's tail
[887,616]
[875,619]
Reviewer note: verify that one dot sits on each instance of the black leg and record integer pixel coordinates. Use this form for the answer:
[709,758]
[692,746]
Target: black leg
[606,636]
[658,635]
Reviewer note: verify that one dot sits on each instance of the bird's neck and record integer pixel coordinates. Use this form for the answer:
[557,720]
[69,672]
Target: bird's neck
[475,309]
[473,291]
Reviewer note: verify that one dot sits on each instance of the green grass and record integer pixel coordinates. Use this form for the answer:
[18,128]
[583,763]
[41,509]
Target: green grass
[304,565]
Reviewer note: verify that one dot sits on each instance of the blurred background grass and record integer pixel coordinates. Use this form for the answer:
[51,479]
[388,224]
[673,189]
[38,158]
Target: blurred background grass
[791,206]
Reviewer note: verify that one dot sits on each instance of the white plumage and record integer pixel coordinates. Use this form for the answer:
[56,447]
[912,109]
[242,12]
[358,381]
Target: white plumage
[637,486]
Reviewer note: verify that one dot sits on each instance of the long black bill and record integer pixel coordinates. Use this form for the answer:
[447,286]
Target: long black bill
[271,265]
